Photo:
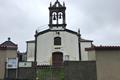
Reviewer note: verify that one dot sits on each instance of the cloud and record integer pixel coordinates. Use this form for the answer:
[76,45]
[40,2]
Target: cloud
[100,20]
[97,19]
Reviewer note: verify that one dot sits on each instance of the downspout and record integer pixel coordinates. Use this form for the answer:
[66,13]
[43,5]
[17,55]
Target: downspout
[79,44]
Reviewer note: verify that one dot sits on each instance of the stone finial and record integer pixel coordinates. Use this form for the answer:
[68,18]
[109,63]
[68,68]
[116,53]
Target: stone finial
[36,32]
[50,4]
[9,38]
[79,31]
[64,4]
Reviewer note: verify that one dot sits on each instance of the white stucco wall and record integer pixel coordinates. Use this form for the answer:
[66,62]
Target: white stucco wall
[84,54]
[91,55]
[45,46]
[30,51]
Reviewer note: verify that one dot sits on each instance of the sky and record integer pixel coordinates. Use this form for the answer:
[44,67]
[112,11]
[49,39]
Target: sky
[98,20]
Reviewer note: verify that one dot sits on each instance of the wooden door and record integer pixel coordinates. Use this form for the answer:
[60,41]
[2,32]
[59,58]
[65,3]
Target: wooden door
[57,59]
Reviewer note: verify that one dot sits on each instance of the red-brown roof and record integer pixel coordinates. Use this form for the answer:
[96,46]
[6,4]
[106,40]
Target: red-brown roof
[103,48]
[8,45]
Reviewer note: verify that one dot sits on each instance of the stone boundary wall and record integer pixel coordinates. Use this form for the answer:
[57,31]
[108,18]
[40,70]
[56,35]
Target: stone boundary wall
[80,70]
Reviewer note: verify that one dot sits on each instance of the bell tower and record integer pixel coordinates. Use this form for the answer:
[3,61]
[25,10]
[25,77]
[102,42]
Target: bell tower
[57,17]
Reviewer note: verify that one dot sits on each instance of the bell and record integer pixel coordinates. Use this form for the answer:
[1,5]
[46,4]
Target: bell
[60,16]
[54,17]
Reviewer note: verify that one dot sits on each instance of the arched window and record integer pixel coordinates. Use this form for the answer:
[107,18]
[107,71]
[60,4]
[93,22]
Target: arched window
[57,41]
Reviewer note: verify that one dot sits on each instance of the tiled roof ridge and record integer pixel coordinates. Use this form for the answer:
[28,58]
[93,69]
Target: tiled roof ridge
[103,48]
[5,43]
[106,46]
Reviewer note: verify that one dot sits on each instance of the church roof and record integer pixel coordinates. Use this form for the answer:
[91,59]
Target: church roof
[48,30]
[8,45]
[85,40]
[67,30]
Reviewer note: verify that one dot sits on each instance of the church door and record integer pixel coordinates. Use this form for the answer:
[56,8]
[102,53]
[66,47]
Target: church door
[57,59]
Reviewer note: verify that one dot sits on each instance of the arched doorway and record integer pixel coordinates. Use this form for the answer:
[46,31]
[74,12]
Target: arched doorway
[57,59]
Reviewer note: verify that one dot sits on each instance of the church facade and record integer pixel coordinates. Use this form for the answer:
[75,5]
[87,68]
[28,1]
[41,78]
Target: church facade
[57,44]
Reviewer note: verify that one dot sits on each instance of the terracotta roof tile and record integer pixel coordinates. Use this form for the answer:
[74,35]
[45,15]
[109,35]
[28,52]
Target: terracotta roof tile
[103,48]
[8,45]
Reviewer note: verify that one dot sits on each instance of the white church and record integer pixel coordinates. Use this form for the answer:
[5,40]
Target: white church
[57,44]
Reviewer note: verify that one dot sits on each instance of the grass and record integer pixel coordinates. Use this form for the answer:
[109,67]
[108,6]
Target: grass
[49,74]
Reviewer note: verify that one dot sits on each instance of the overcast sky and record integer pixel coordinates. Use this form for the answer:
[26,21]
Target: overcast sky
[99,20]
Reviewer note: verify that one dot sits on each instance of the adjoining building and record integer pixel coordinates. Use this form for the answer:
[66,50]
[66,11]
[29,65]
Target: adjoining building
[8,53]
[22,56]
[30,50]
[13,63]
[107,61]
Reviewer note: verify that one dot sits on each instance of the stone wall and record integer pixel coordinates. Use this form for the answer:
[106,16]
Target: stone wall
[11,74]
[21,74]
[80,70]
[26,73]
